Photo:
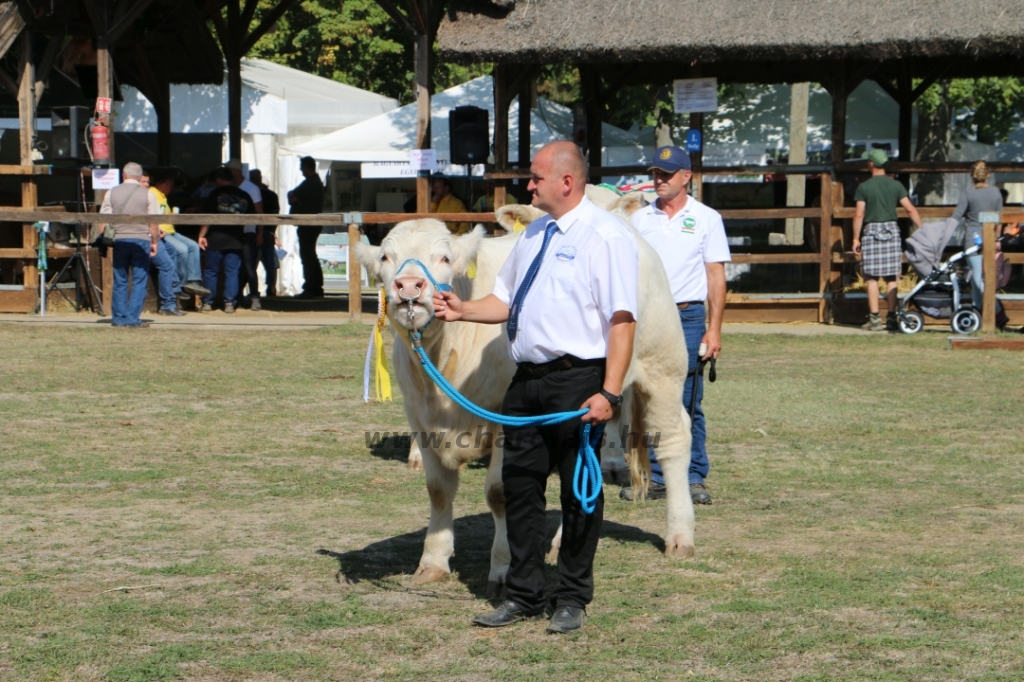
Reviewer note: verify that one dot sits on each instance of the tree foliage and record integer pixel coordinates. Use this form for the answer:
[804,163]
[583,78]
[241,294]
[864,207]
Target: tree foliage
[353,42]
[987,109]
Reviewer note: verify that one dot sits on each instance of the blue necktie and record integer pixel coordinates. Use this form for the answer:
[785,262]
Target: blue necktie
[524,288]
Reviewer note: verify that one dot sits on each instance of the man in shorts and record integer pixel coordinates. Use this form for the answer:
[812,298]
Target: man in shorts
[882,248]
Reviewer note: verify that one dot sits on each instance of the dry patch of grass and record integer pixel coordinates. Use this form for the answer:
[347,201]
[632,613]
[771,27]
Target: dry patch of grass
[867,497]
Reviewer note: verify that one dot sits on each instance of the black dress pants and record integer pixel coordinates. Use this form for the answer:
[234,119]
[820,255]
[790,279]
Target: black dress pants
[313,276]
[531,455]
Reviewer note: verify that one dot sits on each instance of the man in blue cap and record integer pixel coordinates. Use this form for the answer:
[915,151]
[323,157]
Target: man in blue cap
[690,238]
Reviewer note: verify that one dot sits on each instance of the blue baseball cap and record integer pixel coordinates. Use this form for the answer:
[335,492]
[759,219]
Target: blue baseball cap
[670,160]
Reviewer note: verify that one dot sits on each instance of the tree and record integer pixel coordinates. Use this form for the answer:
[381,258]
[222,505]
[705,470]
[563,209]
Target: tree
[353,42]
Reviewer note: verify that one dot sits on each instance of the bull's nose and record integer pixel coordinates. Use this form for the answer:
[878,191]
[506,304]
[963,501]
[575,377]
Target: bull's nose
[409,287]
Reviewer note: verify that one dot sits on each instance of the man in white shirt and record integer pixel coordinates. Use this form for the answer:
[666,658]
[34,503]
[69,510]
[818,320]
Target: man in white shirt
[690,238]
[251,238]
[568,292]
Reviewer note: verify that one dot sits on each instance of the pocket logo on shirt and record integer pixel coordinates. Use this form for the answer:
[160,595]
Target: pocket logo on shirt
[689,224]
[566,253]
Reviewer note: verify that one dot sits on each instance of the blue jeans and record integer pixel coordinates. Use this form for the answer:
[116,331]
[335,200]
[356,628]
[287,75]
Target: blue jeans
[978,283]
[167,276]
[131,256]
[692,319]
[187,252]
[232,261]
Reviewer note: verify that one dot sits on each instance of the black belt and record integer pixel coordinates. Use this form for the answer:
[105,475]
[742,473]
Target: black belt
[687,304]
[536,371]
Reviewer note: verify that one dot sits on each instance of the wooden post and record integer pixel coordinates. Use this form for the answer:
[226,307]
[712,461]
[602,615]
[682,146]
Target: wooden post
[27,136]
[421,66]
[988,254]
[697,158]
[234,64]
[105,88]
[796,185]
[355,276]
[525,107]
[839,95]
[163,122]
[501,105]
[905,90]
[825,245]
[590,89]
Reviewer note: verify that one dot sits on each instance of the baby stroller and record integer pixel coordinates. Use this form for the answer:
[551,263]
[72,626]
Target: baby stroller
[939,293]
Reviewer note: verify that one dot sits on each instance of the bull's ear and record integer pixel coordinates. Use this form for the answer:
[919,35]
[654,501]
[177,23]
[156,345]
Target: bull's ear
[523,214]
[630,203]
[465,248]
[369,258]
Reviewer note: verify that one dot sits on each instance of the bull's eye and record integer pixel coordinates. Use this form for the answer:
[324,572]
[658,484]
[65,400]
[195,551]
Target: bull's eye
[383,258]
[446,259]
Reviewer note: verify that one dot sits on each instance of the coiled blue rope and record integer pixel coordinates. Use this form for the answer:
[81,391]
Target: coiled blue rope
[587,478]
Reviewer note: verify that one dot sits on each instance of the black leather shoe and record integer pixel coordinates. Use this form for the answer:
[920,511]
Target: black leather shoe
[655,491]
[699,493]
[567,619]
[174,312]
[196,289]
[506,614]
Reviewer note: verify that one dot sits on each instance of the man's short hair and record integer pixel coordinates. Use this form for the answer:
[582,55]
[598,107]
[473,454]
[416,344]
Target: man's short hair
[132,170]
[159,175]
[568,158]
[307,162]
[224,173]
[254,172]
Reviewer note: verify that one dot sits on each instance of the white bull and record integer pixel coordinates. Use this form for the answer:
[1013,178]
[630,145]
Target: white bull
[474,359]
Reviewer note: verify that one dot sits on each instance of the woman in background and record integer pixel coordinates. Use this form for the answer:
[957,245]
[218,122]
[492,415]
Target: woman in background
[973,201]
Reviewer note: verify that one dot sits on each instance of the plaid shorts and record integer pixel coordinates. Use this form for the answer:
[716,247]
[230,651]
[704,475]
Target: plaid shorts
[882,250]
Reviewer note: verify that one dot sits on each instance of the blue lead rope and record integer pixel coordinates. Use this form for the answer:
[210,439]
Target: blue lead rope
[587,479]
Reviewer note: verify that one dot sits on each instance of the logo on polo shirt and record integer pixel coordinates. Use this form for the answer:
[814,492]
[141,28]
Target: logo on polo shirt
[689,224]
[566,253]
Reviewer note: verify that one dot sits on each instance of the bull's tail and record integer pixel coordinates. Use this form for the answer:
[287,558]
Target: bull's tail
[635,446]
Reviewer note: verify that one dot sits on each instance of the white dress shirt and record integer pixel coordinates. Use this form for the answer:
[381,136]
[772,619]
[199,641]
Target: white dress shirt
[692,237]
[253,190]
[589,273]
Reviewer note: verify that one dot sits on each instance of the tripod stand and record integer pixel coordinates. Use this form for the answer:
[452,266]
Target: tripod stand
[81,273]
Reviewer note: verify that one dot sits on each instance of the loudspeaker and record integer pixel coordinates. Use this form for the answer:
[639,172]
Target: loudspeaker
[68,126]
[469,135]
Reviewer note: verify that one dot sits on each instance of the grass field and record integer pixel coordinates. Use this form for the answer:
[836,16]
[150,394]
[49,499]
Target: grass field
[201,504]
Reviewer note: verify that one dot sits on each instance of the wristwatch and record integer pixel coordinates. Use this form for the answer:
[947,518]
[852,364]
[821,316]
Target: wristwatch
[615,400]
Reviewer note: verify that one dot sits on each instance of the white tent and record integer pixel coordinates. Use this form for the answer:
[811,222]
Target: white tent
[390,136]
[281,107]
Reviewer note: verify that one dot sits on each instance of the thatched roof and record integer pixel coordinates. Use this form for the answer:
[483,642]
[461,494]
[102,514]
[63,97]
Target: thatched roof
[709,31]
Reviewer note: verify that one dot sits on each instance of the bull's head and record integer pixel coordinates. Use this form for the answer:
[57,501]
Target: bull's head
[414,256]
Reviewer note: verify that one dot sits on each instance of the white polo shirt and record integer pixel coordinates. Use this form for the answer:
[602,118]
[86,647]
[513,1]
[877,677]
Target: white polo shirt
[589,273]
[694,236]
[253,190]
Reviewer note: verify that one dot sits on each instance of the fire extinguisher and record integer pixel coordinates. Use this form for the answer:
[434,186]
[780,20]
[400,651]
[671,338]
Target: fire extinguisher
[99,134]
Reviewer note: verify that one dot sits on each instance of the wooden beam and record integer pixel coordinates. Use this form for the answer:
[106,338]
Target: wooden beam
[399,18]
[905,99]
[988,258]
[53,47]
[27,138]
[888,86]
[23,215]
[11,26]
[248,12]
[97,11]
[825,243]
[266,23]
[129,17]
[418,17]
[355,278]
[968,343]
[839,95]
[525,93]
[590,90]
[9,84]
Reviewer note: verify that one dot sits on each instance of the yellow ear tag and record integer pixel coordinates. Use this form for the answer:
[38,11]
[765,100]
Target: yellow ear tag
[383,377]
[471,270]
[518,227]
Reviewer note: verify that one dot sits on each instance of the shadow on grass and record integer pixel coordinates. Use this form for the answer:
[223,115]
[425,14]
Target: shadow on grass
[399,556]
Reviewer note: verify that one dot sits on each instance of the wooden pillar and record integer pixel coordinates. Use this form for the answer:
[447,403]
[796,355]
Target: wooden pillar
[163,123]
[590,89]
[501,106]
[988,254]
[421,67]
[697,159]
[234,64]
[105,87]
[796,185]
[905,90]
[525,107]
[355,276]
[27,136]
[839,95]
[825,245]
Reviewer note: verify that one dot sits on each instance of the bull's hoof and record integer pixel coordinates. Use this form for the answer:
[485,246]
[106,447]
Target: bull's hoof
[415,462]
[494,588]
[676,547]
[428,575]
